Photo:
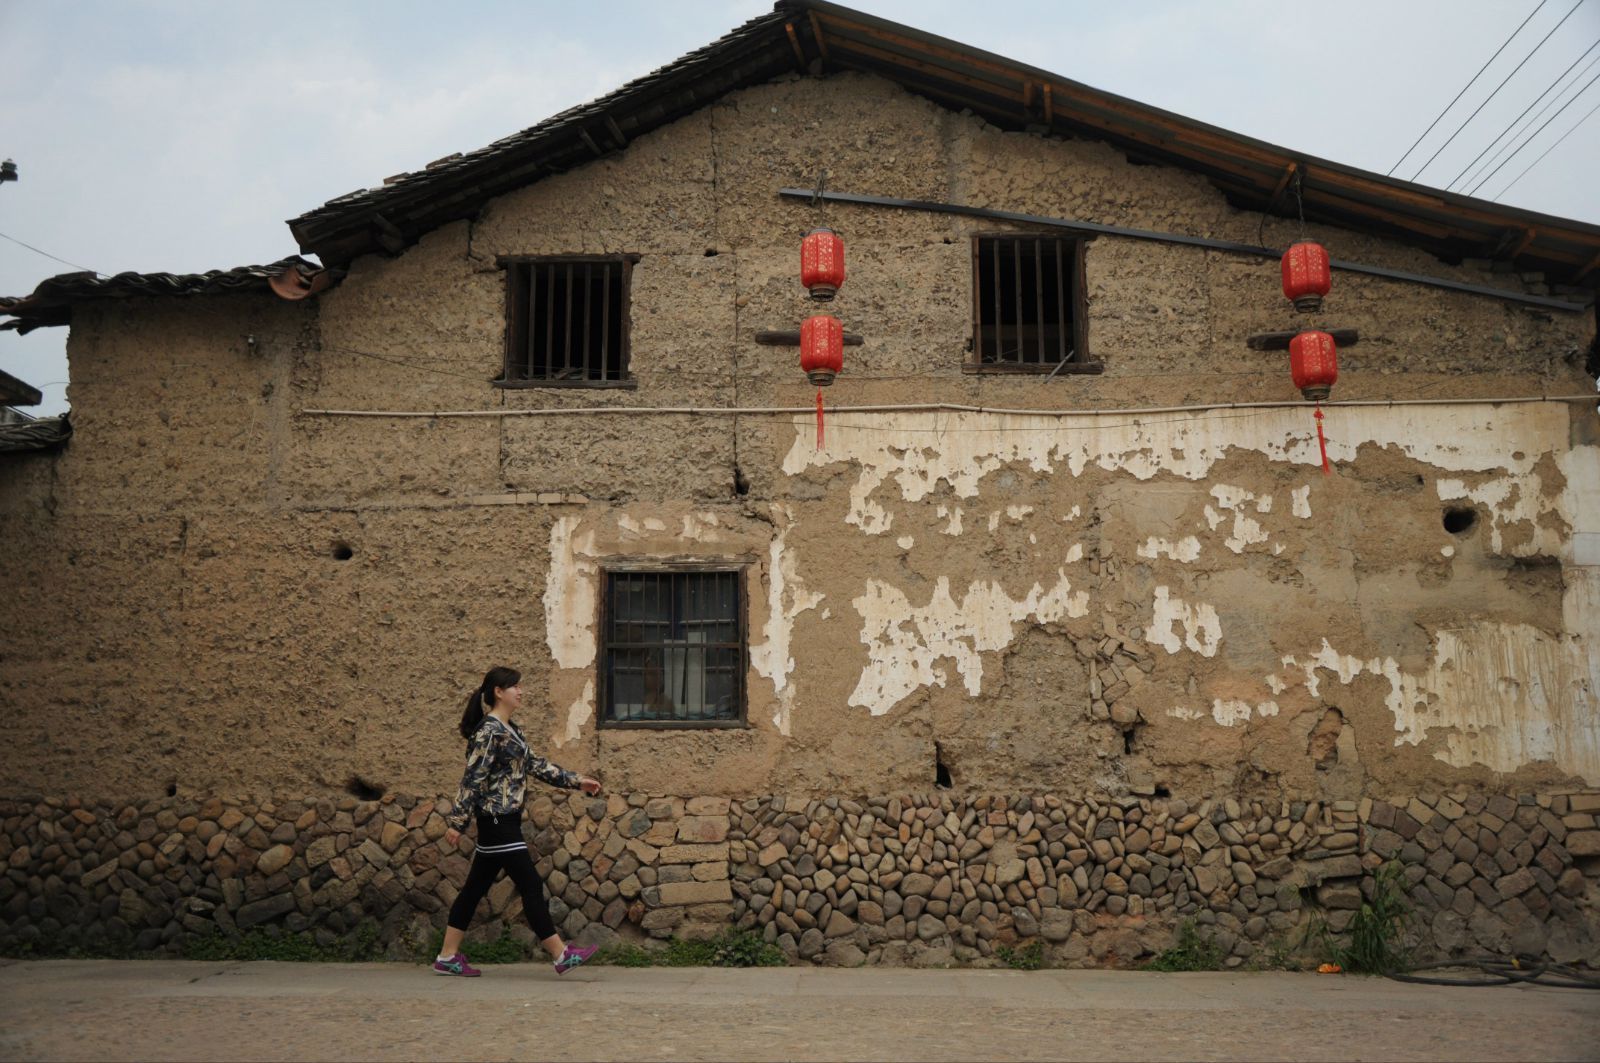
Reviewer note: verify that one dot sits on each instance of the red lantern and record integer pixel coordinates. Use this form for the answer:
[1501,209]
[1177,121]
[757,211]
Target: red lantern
[821,348]
[1306,276]
[822,263]
[1314,361]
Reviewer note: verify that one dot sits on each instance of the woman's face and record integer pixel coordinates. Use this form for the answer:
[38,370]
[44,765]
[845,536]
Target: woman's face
[510,697]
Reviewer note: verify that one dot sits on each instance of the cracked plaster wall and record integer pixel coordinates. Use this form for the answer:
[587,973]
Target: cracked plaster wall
[1059,603]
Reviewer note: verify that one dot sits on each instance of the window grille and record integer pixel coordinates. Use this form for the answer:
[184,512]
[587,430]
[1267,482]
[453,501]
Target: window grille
[567,321]
[1027,304]
[673,651]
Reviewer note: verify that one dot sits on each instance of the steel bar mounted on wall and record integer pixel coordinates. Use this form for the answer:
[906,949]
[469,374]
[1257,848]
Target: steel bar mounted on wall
[1171,238]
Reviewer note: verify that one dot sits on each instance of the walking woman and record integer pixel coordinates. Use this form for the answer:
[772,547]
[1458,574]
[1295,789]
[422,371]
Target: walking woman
[494,787]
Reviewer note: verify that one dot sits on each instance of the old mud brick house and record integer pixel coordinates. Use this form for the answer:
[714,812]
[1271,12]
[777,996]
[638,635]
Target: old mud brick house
[1050,665]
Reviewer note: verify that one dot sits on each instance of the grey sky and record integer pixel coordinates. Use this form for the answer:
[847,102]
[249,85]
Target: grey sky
[175,135]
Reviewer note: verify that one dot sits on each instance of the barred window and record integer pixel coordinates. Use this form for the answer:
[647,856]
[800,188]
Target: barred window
[1027,301]
[567,321]
[673,648]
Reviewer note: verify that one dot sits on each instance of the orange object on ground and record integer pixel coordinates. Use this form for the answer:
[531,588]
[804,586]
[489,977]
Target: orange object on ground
[1330,968]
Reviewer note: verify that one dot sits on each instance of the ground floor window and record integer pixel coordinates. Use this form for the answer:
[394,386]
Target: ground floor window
[673,647]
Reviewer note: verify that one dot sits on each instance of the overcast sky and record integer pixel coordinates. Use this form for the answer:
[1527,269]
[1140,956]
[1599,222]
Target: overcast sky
[178,136]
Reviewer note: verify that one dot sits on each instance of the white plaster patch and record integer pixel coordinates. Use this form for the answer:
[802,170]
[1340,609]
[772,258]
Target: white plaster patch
[1018,512]
[905,643]
[1246,529]
[787,598]
[1074,553]
[655,524]
[1503,695]
[1202,631]
[1185,549]
[700,527]
[1230,712]
[1448,551]
[569,595]
[1300,502]
[1510,500]
[578,714]
[905,542]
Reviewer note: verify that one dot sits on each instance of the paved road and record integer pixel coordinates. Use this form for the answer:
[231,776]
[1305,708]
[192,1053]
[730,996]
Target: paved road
[61,1009]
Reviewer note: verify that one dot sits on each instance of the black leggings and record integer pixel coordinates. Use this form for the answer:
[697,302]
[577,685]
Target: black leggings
[501,848]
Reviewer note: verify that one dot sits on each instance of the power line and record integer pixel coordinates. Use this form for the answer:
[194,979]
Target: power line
[1534,135]
[1497,89]
[1463,91]
[1547,151]
[47,254]
[1524,113]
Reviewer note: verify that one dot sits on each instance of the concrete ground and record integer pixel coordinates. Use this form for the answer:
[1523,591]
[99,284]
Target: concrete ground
[94,1009]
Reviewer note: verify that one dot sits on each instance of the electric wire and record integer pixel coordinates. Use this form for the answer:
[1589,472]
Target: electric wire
[1497,89]
[1534,136]
[1547,151]
[1525,110]
[47,254]
[1464,88]
[1507,146]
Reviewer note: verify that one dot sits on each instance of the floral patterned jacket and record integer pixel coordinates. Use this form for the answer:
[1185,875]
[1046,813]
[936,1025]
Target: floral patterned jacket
[495,783]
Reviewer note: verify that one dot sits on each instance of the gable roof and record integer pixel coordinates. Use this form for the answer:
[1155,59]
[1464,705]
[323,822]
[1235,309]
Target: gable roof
[814,36]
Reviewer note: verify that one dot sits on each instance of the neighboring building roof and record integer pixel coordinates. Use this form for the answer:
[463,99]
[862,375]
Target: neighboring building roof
[44,433]
[810,35]
[52,301]
[14,392]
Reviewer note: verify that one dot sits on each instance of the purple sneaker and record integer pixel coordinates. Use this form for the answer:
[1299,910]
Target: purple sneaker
[456,965]
[574,956]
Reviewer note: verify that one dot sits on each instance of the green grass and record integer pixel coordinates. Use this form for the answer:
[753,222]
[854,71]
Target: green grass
[361,944]
[1378,931]
[1193,951]
[732,948]
[503,949]
[1028,957]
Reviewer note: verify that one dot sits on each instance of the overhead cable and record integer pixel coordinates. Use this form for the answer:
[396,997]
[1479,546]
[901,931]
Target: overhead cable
[1524,113]
[1547,151]
[1465,87]
[1535,134]
[1497,89]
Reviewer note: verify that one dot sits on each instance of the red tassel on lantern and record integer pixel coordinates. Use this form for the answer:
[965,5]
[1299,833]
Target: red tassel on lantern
[822,263]
[1306,276]
[821,355]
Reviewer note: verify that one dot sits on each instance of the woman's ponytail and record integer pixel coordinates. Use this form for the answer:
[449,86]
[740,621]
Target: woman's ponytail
[482,699]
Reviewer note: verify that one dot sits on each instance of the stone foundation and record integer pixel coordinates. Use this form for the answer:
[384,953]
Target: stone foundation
[924,879]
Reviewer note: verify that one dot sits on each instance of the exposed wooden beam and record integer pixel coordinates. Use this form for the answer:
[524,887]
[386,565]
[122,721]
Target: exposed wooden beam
[590,141]
[781,338]
[616,131]
[794,42]
[816,34]
[1279,341]
[1049,105]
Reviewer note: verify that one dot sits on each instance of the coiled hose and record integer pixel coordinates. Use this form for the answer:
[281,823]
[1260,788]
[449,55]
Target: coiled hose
[1498,970]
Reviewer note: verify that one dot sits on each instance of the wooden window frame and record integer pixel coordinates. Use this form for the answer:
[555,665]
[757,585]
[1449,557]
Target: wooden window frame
[516,320]
[740,567]
[1078,360]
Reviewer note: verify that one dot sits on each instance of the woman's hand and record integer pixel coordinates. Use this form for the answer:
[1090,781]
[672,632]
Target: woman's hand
[452,838]
[589,785]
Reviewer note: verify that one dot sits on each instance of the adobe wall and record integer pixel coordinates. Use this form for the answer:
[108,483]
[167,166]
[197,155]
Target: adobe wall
[215,595]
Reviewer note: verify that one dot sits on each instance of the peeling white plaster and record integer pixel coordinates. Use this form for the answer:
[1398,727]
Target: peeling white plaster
[1246,529]
[1074,515]
[905,643]
[1300,502]
[905,542]
[1018,512]
[1185,549]
[569,595]
[1074,553]
[1230,712]
[954,527]
[580,712]
[1202,631]
[1448,551]
[1500,695]
[655,524]
[787,598]
[994,520]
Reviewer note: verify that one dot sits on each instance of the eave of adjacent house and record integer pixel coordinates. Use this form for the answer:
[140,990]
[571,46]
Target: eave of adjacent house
[813,36]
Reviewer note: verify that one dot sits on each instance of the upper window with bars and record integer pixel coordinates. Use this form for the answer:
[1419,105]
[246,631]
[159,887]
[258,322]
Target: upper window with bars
[1027,305]
[567,321]
[672,648]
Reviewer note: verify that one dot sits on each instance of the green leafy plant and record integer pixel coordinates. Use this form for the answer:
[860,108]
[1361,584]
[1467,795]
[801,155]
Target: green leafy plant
[1028,957]
[1377,934]
[1193,951]
[731,948]
[625,954]
[503,949]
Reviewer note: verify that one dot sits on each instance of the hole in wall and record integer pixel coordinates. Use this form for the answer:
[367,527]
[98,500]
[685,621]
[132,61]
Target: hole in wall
[741,484]
[1322,745]
[1458,520]
[343,551]
[1127,742]
[941,773]
[363,790]
[172,789]
[1162,790]
[711,252]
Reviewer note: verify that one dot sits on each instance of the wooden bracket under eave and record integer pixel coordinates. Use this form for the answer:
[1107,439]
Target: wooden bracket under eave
[1279,341]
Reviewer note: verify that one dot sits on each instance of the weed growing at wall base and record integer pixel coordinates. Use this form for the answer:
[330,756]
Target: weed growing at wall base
[1193,951]
[731,948]
[1029,957]
[1377,933]
[359,945]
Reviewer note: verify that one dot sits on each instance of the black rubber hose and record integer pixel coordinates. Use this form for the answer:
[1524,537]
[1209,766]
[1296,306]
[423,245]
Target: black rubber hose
[1496,970]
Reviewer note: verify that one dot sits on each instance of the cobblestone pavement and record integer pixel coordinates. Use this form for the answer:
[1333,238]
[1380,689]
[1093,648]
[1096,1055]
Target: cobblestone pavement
[62,1009]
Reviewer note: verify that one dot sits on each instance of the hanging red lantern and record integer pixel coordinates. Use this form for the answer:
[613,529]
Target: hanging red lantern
[1306,276]
[822,263]
[1314,364]
[821,355]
